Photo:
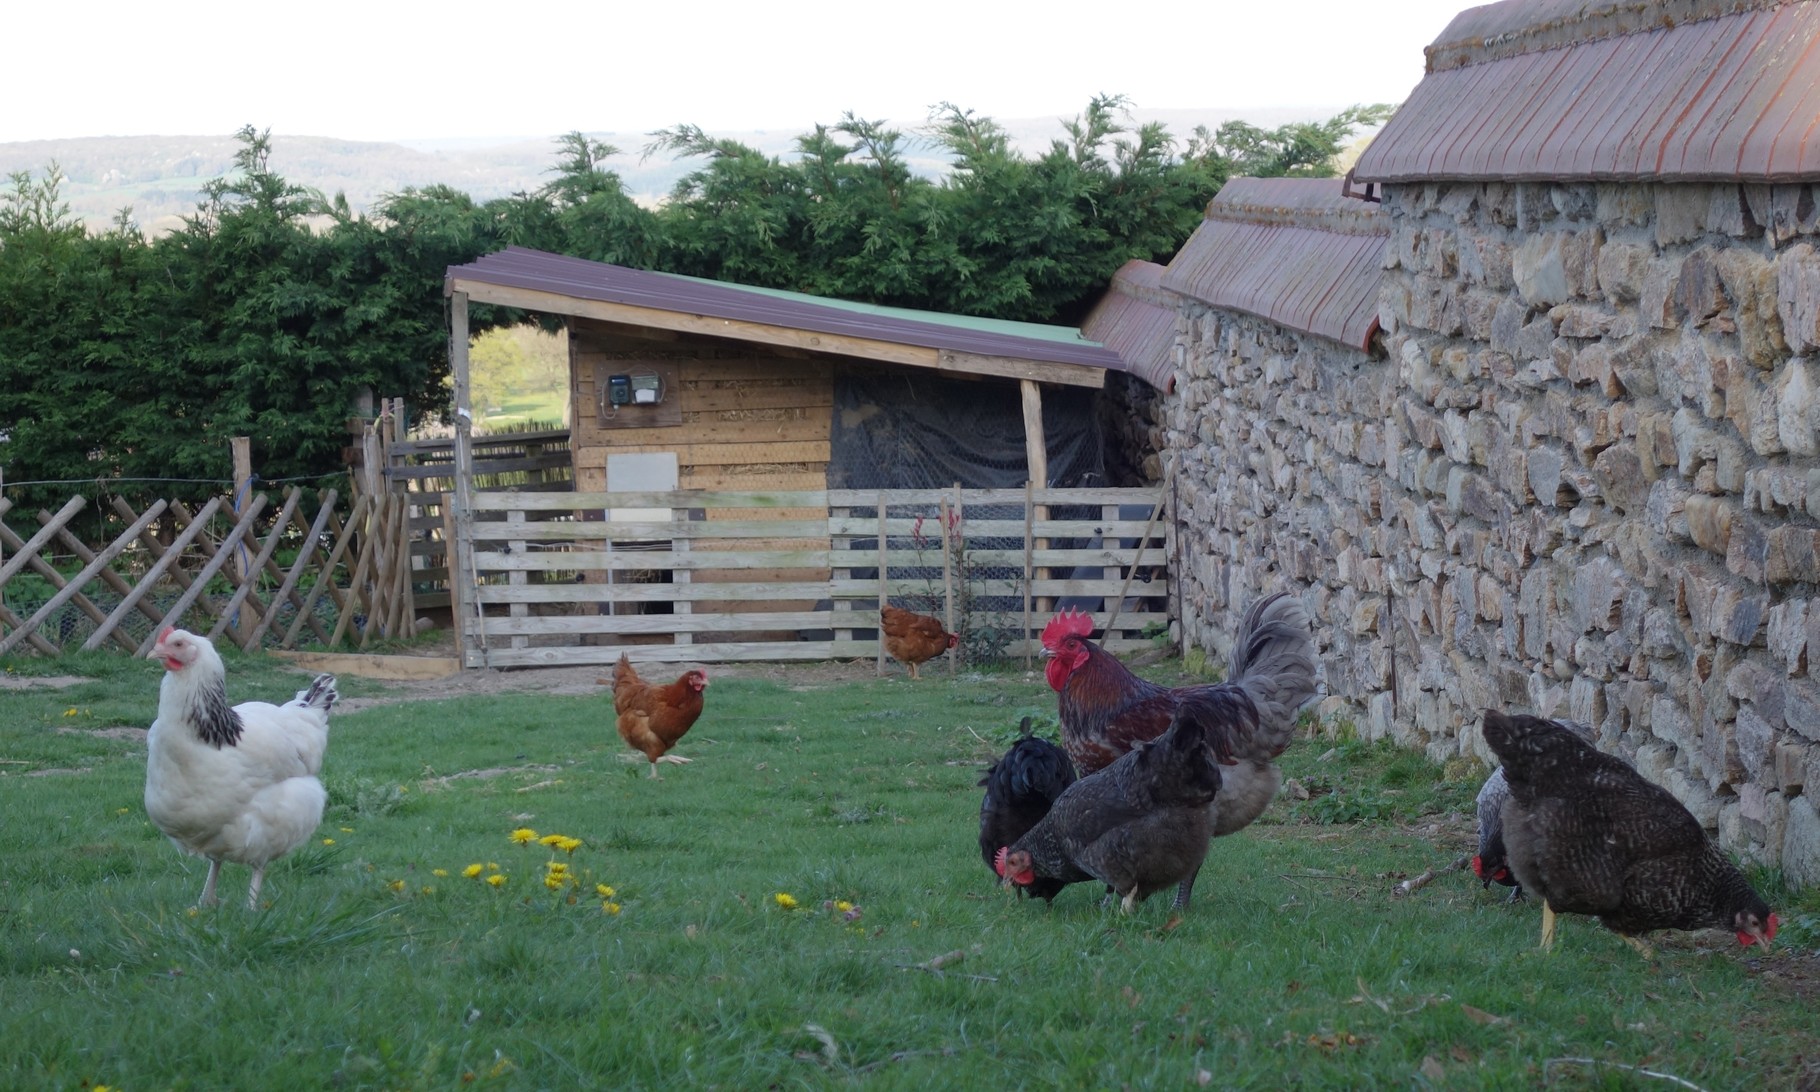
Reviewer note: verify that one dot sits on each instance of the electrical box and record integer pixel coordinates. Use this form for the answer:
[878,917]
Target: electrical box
[645,390]
[619,390]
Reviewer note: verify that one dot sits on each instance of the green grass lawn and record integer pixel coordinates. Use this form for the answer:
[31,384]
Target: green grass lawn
[378,964]
[523,408]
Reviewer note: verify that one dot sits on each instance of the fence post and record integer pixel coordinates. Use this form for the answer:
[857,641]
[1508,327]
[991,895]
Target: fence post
[1029,573]
[884,583]
[947,578]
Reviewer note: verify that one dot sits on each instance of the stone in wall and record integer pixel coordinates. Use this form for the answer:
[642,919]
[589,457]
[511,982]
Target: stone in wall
[1581,478]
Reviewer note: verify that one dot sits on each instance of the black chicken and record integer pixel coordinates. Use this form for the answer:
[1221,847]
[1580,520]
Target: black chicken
[1140,825]
[1020,788]
[1591,836]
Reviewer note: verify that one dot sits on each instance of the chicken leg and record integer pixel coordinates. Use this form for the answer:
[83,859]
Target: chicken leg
[1548,926]
[1643,948]
[252,888]
[208,886]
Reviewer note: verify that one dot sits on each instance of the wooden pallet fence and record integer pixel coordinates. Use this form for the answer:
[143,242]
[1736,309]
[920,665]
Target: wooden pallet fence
[211,571]
[573,579]
[424,469]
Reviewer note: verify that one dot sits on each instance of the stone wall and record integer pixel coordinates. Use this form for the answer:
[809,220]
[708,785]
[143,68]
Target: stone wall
[1582,478]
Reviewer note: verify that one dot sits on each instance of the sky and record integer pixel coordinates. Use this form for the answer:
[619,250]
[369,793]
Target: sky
[387,70]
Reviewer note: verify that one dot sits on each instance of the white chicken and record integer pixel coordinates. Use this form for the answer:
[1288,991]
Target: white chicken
[232,783]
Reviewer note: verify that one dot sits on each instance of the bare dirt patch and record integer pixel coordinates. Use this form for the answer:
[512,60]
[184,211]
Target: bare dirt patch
[137,735]
[586,680]
[32,682]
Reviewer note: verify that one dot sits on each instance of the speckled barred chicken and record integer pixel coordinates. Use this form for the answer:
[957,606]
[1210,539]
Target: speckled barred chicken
[1490,864]
[1586,833]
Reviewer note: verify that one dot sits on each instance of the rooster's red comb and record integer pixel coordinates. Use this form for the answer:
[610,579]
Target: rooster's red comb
[1069,623]
[998,861]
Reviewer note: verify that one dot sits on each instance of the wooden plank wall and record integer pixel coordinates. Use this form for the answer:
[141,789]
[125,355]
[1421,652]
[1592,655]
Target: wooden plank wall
[750,421]
[522,539]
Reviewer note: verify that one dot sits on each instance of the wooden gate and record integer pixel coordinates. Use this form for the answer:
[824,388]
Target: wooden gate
[577,578]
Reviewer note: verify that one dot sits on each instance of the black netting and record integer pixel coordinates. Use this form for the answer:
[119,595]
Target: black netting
[906,431]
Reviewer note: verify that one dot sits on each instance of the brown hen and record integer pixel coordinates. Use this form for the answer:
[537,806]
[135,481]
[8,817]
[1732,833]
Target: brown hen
[652,718]
[913,638]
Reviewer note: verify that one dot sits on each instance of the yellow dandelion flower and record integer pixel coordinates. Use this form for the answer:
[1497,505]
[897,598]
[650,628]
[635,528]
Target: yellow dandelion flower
[603,890]
[346,830]
[328,841]
[550,839]
[69,712]
[497,879]
[788,902]
[569,845]
[609,907]
[396,886]
[553,881]
[492,866]
[557,866]
[843,906]
[439,873]
[122,811]
[428,890]
[523,835]
[472,871]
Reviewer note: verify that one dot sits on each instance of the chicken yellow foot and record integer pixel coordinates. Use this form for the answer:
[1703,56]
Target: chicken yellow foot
[1548,926]
[1643,948]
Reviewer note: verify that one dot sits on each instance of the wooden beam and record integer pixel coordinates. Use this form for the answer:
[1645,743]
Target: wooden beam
[1036,449]
[1036,455]
[1017,367]
[461,550]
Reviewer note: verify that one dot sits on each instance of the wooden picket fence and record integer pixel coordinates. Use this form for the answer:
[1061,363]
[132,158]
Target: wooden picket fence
[212,571]
[577,578]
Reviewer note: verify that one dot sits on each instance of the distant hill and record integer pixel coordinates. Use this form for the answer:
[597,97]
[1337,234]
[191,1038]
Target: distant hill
[161,177]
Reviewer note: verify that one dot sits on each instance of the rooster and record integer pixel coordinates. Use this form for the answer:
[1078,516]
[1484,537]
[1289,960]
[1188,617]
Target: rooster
[652,718]
[1490,864]
[1020,788]
[1106,710]
[1141,824]
[912,638]
[1589,835]
[232,783]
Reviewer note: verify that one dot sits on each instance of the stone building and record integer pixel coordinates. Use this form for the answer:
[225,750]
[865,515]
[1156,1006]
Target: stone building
[1572,463]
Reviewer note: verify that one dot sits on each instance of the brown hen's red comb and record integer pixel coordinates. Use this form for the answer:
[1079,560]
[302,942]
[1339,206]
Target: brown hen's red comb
[1075,623]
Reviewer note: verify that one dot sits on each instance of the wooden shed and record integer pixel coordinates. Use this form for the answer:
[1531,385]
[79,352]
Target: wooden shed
[739,419]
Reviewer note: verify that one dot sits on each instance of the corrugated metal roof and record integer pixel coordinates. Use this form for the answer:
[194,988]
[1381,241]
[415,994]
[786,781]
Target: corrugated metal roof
[1136,319]
[1292,250]
[576,278]
[1615,90]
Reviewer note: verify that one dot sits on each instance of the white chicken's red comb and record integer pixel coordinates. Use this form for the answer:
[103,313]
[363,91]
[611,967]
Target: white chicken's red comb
[1069,623]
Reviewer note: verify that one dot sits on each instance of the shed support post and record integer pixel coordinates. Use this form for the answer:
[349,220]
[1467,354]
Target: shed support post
[462,572]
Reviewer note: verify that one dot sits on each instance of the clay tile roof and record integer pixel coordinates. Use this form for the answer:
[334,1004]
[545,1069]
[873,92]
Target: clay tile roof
[1613,90]
[1136,319]
[1292,250]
